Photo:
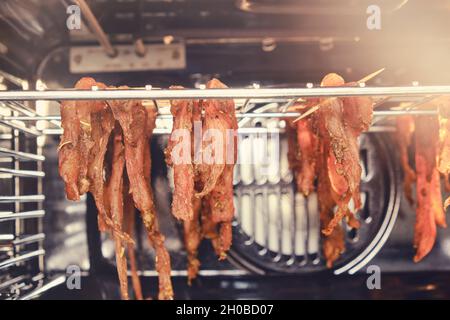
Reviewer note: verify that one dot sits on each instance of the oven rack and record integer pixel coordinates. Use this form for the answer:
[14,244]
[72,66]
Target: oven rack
[387,98]
[21,231]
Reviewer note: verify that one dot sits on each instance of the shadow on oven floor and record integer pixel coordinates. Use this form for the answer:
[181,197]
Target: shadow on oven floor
[420,285]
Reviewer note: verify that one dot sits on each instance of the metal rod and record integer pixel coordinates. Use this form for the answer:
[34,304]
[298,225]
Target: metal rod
[20,258]
[247,93]
[48,286]
[26,130]
[247,115]
[20,155]
[162,131]
[8,216]
[30,198]
[27,239]
[23,173]
[19,107]
[96,28]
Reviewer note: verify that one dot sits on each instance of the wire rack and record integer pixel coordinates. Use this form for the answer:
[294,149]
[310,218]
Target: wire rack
[245,99]
[21,205]
[19,123]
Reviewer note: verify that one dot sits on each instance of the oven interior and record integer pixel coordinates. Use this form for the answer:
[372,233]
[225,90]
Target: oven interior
[247,44]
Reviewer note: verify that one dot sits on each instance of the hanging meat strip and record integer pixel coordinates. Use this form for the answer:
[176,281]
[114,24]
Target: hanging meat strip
[220,125]
[429,210]
[114,205]
[85,110]
[132,117]
[69,150]
[333,245]
[405,130]
[443,105]
[76,140]
[193,234]
[129,224]
[102,124]
[178,156]
[340,143]
[303,150]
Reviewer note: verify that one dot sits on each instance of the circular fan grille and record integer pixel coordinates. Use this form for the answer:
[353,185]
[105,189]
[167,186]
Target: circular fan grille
[277,230]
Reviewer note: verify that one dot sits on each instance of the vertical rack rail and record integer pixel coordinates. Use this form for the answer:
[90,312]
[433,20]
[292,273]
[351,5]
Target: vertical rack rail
[21,204]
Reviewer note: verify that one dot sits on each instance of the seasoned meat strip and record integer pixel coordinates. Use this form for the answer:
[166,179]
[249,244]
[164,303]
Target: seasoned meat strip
[69,150]
[132,117]
[129,224]
[114,204]
[217,178]
[443,105]
[85,109]
[178,156]
[405,130]
[340,142]
[429,212]
[102,124]
[192,239]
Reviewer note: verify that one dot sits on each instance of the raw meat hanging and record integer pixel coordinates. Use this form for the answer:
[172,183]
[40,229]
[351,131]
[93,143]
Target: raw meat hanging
[203,161]
[432,151]
[324,148]
[118,131]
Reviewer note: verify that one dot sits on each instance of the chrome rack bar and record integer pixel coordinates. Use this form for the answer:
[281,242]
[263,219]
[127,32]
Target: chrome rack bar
[30,198]
[161,131]
[38,291]
[8,216]
[250,115]
[27,239]
[20,128]
[23,173]
[27,256]
[20,155]
[19,107]
[248,93]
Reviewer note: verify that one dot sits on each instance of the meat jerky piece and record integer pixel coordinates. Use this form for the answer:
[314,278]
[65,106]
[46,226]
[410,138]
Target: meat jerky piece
[129,223]
[219,126]
[132,117]
[405,130]
[102,125]
[192,239]
[178,156]
[220,116]
[333,244]
[302,154]
[443,105]
[340,144]
[85,109]
[209,227]
[114,204]
[358,112]
[428,212]
[193,234]
[69,150]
